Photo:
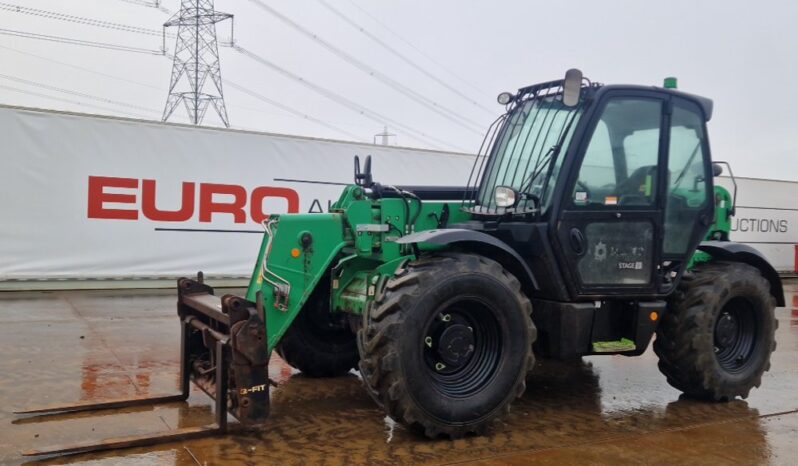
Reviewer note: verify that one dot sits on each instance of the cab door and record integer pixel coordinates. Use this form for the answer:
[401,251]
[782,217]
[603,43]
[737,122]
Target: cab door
[638,197]
[610,224]
[689,198]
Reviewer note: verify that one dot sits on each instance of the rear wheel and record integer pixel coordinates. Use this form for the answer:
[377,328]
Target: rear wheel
[716,339]
[447,345]
[319,343]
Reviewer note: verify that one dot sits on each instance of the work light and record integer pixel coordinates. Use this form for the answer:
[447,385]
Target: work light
[505,196]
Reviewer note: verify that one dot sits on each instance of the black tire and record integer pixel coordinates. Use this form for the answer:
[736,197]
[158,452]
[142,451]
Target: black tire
[318,342]
[715,341]
[448,377]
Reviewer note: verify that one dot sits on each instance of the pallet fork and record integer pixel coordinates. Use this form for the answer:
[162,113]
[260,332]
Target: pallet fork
[223,351]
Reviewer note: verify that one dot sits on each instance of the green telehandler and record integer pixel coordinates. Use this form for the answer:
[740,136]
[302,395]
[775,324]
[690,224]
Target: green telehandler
[589,223]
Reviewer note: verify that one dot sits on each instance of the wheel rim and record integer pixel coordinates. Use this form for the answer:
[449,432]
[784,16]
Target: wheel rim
[735,335]
[462,347]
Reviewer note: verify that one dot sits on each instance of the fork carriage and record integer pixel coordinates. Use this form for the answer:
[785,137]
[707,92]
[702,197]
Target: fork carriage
[222,351]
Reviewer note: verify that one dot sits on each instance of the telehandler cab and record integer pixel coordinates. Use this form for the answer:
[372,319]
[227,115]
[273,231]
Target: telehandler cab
[589,223]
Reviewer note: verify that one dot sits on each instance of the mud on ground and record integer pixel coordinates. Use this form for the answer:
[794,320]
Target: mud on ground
[63,347]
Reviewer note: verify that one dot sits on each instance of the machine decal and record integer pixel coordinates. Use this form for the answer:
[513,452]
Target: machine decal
[255,389]
[600,251]
[617,253]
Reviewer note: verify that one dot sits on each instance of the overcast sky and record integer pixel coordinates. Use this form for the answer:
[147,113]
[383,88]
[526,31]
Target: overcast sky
[742,54]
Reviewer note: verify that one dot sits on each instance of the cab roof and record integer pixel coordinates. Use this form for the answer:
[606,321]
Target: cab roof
[705,103]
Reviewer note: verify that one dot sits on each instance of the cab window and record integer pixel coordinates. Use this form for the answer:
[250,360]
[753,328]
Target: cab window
[620,162]
[688,178]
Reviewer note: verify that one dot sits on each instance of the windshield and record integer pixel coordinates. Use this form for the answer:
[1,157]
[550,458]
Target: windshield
[526,153]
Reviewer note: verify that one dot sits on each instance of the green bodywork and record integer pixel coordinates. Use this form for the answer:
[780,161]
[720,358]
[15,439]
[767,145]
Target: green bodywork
[354,246]
[721,226]
[724,209]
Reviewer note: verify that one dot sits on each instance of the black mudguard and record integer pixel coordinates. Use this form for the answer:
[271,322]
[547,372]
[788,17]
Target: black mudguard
[480,243]
[737,252]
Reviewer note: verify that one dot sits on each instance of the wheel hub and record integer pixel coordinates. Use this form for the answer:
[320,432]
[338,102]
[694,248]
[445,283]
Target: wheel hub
[735,335]
[456,345]
[462,347]
[726,330]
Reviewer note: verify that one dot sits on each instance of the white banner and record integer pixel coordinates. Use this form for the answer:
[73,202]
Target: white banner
[95,197]
[767,218]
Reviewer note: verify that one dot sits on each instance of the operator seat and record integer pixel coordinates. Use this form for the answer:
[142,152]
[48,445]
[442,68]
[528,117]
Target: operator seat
[633,190]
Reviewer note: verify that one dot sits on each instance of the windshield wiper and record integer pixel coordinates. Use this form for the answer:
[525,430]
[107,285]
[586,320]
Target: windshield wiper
[548,159]
[538,169]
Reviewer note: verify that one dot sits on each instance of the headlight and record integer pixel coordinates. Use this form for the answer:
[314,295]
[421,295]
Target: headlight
[505,98]
[505,196]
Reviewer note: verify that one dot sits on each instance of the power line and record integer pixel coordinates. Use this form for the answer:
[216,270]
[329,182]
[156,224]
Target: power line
[419,136]
[403,57]
[456,76]
[254,94]
[74,102]
[291,110]
[153,4]
[85,43]
[87,70]
[142,3]
[106,75]
[75,93]
[80,20]
[450,115]
[117,47]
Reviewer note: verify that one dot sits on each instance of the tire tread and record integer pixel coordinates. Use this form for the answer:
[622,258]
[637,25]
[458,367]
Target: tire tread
[382,329]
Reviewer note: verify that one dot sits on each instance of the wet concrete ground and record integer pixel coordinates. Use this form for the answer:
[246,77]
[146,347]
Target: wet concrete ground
[63,347]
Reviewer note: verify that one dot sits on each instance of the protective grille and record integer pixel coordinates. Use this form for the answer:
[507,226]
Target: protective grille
[521,149]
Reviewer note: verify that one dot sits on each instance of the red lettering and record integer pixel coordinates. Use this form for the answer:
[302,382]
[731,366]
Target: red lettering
[208,207]
[259,194]
[149,209]
[98,197]
[234,201]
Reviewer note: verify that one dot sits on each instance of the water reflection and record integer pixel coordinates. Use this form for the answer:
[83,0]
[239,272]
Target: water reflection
[614,409]
[333,421]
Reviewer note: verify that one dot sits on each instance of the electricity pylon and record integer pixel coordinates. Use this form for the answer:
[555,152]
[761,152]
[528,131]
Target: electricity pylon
[196,62]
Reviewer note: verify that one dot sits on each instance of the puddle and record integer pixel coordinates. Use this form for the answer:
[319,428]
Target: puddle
[600,409]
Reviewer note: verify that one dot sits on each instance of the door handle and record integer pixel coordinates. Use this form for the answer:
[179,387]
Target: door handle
[577,241]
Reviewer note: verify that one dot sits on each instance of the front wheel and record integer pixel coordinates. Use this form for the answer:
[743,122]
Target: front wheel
[319,343]
[716,339]
[447,345]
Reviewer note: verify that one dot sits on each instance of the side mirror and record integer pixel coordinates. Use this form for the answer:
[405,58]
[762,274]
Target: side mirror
[572,87]
[717,169]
